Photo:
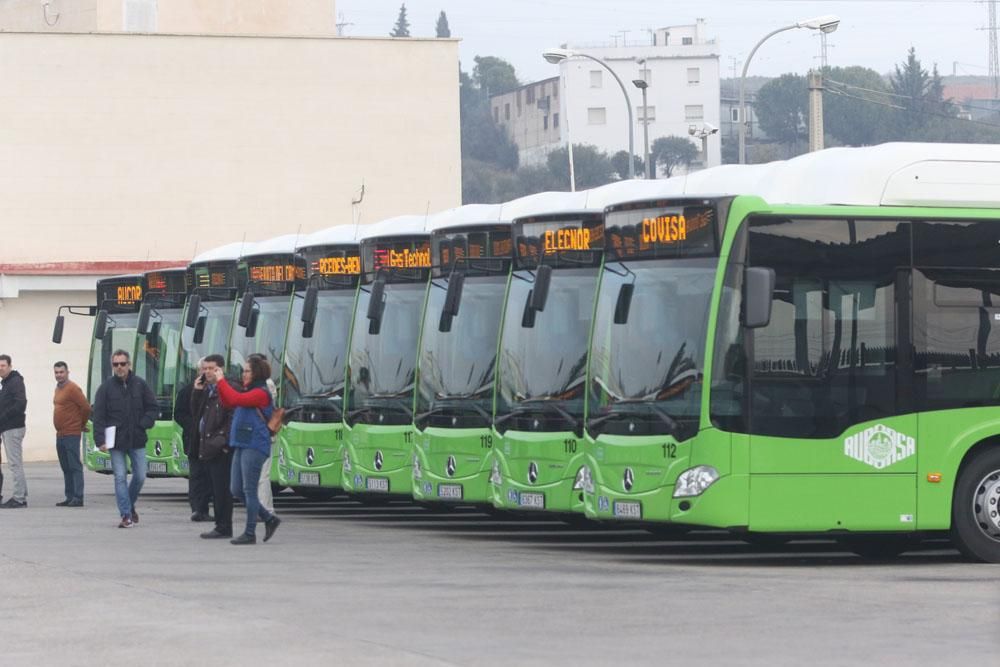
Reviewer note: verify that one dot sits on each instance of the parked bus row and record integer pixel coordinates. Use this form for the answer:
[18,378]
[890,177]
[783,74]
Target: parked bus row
[809,347]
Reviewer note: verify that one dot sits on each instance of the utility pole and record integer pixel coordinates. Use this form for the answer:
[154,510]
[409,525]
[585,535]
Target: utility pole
[994,51]
[815,111]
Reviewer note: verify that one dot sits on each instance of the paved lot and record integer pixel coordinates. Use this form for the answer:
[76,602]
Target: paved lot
[346,584]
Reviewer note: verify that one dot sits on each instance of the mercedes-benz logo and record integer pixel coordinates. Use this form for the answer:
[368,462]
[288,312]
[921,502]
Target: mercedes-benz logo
[310,456]
[629,479]
[532,472]
[158,448]
[450,467]
[378,459]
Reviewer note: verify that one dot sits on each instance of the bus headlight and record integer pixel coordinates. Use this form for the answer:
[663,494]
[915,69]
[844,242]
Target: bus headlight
[583,482]
[495,477]
[694,481]
[347,462]
[417,473]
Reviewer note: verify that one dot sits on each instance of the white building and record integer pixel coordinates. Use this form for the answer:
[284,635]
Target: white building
[681,69]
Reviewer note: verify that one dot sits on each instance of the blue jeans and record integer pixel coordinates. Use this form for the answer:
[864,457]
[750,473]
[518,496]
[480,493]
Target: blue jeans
[126,493]
[244,477]
[68,449]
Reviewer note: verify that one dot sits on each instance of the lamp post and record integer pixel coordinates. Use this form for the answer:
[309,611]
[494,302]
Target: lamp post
[556,56]
[826,24]
[642,85]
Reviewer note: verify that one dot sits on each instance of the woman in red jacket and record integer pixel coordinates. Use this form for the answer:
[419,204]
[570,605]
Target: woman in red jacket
[251,441]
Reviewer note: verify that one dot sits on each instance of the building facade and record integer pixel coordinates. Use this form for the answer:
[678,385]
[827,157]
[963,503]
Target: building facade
[127,152]
[531,117]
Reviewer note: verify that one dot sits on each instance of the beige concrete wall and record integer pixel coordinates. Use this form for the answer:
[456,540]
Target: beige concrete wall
[219,17]
[123,147]
[26,335]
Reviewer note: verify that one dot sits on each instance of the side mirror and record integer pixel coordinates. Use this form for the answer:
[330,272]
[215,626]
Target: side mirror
[246,309]
[376,300]
[758,293]
[251,330]
[453,298]
[199,329]
[540,292]
[310,304]
[57,330]
[154,333]
[101,324]
[193,312]
[307,329]
[624,303]
[142,327]
[528,316]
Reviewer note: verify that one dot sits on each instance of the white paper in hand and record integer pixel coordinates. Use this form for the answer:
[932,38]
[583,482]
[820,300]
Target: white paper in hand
[109,436]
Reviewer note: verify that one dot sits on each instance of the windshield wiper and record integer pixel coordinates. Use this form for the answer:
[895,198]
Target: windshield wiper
[543,405]
[660,413]
[395,399]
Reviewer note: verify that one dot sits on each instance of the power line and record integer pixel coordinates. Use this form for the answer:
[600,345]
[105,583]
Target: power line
[924,112]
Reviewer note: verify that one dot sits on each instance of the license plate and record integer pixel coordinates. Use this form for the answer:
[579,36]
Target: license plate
[156,466]
[628,510]
[532,500]
[105,463]
[450,491]
[309,478]
[377,484]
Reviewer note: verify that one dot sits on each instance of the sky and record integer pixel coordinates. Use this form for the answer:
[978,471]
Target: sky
[872,33]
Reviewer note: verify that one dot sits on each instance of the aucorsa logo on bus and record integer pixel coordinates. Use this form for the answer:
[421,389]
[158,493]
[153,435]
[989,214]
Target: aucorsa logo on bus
[879,446]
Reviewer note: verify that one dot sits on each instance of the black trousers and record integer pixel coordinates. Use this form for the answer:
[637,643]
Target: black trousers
[199,486]
[218,473]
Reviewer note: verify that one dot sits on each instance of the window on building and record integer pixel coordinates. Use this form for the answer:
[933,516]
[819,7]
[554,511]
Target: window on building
[531,95]
[694,112]
[646,75]
[646,113]
[519,103]
[687,41]
[545,122]
[597,116]
[555,120]
[506,111]
[596,77]
[734,114]
[555,90]
[694,75]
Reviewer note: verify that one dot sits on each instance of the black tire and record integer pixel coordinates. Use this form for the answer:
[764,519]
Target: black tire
[316,493]
[878,547]
[975,508]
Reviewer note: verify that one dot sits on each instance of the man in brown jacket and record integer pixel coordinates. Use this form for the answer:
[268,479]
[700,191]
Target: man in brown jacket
[70,414]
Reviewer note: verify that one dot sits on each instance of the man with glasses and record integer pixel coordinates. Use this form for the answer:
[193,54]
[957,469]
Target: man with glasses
[124,409]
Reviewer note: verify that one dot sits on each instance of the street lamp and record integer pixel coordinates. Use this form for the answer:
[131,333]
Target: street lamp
[556,56]
[827,24]
[642,85]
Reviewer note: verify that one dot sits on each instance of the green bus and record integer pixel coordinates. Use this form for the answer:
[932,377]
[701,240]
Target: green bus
[378,449]
[157,347]
[470,267]
[846,317]
[212,283]
[310,447]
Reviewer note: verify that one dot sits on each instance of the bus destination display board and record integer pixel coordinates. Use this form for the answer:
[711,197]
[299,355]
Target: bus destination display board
[408,258]
[120,295]
[492,245]
[575,241]
[332,266]
[650,232]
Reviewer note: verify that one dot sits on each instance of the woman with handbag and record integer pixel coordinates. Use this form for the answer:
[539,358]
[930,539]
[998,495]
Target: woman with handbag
[250,439]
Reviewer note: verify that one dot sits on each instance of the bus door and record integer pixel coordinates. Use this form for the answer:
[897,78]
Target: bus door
[833,435]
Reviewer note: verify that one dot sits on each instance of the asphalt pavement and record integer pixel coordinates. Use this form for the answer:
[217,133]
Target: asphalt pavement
[344,583]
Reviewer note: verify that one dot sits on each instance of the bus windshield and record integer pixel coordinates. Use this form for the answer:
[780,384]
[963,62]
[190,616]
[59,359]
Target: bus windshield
[268,339]
[218,317]
[542,367]
[456,366]
[314,367]
[648,350]
[382,364]
[156,356]
[120,335]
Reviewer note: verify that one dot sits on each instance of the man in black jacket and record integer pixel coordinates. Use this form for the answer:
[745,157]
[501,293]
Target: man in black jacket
[199,485]
[12,406]
[212,443]
[124,409]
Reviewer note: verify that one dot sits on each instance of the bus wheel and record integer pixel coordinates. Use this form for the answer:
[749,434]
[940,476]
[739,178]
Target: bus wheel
[314,493]
[975,508]
[878,547]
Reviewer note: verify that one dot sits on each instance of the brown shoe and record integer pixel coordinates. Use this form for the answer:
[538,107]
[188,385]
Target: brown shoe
[135,516]
[126,522]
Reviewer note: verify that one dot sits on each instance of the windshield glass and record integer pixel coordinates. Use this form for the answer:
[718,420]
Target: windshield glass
[156,355]
[120,335]
[456,366]
[218,317]
[646,373]
[542,367]
[381,373]
[269,338]
[314,367]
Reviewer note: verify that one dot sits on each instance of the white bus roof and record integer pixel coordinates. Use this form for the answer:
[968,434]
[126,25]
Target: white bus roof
[463,216]
[279,245]
[544,203]
[403,225]
[228,252]
[337,235]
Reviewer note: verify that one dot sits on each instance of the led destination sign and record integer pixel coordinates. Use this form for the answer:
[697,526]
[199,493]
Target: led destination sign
[120,295]
[127,295]
[165,282]
[548,240]
[449,248]
[347,265]
[650,232]
[401,255]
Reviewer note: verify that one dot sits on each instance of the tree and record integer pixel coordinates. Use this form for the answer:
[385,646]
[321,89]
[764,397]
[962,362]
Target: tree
[591,167]
[482,138]
[857,107]
[442,29]
[920,94]
[494,75]
[402,27]
[620,162]
[673,152]
[782,108]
